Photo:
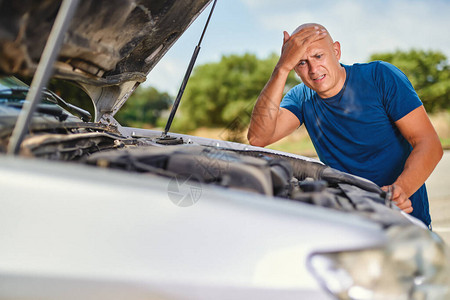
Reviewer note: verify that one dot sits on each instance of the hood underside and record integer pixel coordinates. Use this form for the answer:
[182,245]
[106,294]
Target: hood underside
[109,43]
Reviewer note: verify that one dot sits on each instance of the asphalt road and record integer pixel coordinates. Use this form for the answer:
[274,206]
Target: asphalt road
[438,186]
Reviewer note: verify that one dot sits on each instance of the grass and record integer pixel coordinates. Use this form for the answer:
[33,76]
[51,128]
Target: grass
[441,122]
[445,143]
[297,143]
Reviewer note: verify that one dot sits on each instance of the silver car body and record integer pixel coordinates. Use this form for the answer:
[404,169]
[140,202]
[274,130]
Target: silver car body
[75,230]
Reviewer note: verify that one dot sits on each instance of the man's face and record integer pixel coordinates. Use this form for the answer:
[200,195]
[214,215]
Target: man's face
[320,70]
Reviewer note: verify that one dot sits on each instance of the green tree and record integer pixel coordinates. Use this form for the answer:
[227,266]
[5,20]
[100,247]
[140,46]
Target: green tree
[223,94]
[144,107]
[429,73]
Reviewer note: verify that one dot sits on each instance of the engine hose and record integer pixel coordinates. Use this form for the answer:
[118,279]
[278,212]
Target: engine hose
[335,176]
[303,169]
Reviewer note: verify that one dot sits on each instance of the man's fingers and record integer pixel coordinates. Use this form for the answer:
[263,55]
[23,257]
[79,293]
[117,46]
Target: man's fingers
[306,31]
[305,34]
[396,192]
[399,198]
[408,209]
[310,32]
[404,204]
[306,40]
[321,35]
[398,195]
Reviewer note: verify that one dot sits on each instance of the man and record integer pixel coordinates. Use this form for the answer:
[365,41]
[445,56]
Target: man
[364,119]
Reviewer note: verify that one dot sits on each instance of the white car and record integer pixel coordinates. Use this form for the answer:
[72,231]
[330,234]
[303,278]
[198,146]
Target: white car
[95,210]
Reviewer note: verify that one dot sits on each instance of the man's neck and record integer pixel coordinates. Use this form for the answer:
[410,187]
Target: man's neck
[339,85]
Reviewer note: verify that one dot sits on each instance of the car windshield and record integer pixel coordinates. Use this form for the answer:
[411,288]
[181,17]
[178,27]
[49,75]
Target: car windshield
[10,82]
[13,91]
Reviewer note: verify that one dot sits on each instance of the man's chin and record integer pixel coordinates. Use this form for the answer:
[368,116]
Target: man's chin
[319,88]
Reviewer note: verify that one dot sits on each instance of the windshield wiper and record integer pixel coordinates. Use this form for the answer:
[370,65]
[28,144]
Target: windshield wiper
[83,114]
[52,97]
[48,109]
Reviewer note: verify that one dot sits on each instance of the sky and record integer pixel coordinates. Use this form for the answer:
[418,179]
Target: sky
[362,27]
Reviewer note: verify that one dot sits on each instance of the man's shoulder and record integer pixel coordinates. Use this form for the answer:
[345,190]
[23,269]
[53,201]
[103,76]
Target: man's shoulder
[374,66]
[378,71]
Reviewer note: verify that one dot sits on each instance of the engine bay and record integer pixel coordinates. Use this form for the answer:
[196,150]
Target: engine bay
[256,171]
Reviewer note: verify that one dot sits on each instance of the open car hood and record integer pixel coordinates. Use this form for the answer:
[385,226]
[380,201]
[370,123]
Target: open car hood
[109,48]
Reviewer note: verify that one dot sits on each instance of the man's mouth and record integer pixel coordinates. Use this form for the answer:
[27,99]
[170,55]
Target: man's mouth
[319,78]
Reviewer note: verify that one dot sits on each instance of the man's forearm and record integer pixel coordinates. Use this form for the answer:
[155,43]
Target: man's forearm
[266,126]
[419,165]
[265,113]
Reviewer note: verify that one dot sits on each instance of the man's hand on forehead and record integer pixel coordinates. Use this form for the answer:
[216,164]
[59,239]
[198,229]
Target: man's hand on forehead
[308,34]
[294,46]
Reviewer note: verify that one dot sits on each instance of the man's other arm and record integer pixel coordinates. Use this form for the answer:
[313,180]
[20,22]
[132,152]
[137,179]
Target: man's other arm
[427,152]
[270,122]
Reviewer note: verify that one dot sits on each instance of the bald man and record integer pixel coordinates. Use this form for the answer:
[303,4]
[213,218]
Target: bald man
[364,119]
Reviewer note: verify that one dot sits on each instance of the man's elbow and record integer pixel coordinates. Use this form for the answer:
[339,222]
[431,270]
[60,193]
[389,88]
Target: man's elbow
[255,141]
[436,151]
[439,151]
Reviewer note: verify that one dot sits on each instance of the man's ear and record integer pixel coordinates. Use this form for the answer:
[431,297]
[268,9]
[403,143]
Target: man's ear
[285,37]
[337,50]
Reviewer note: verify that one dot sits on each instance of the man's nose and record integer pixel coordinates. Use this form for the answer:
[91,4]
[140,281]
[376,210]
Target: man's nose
[313,67]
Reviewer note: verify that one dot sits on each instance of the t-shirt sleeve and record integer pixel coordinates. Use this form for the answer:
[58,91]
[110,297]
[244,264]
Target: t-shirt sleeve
[292,102]
[397,93]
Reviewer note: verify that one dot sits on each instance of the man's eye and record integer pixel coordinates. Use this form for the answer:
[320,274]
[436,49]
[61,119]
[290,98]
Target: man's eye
[302,63]
[319,56]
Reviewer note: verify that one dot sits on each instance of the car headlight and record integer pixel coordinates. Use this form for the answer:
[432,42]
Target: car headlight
[413,264]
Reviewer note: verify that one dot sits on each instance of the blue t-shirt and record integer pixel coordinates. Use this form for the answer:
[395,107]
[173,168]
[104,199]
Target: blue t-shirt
[354,131]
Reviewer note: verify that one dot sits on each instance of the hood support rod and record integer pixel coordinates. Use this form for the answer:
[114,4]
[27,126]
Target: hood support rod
[42,74]
[186,77]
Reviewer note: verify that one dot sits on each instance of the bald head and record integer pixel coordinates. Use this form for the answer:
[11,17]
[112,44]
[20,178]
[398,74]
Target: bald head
[308,25]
